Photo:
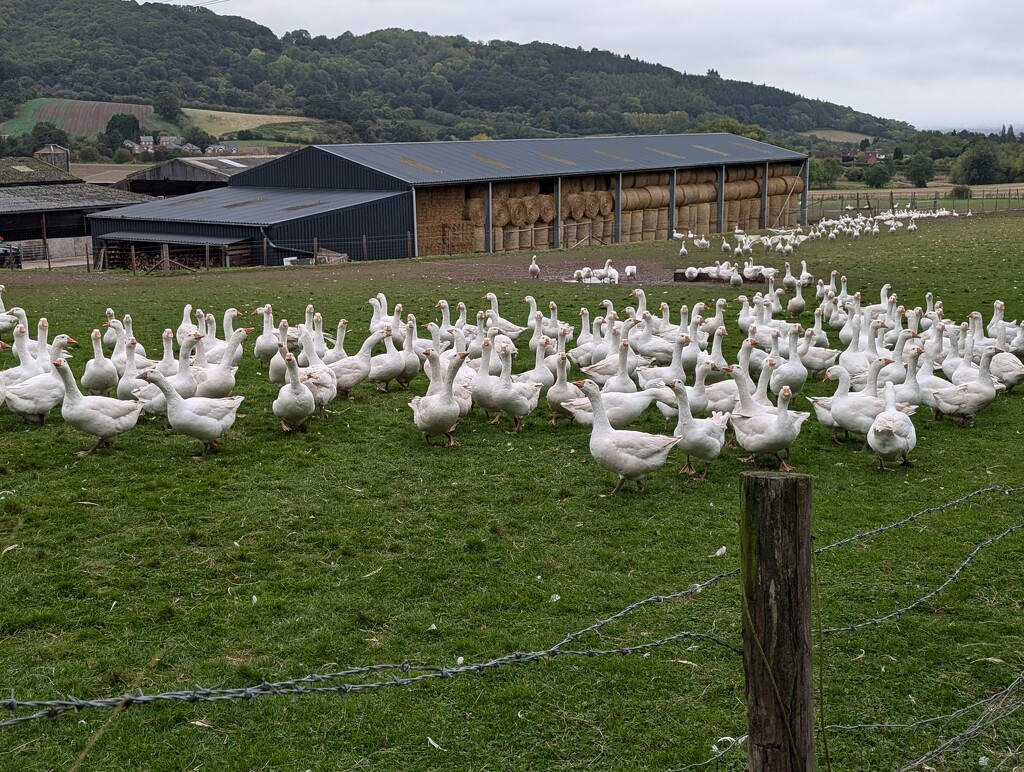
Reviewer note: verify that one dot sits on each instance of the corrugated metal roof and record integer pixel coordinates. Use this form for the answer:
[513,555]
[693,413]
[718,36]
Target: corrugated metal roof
[425,163]
[52,198]
[248,206]
[216,167]
[23,170]
[172,238]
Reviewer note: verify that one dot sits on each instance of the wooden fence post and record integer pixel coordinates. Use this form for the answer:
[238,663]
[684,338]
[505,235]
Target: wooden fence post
[775,571]
[207,251]
[366,250]
[266,247]
[134,269]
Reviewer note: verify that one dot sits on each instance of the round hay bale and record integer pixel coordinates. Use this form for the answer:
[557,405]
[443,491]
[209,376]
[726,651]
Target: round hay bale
[573,206]
[499,212]
[686,177]
[517,212]
[659,195]
[532,205]
[526,237]
[588,184]
[572,185]
[630,200]
[798,184]
[475,211]
[650,221]
[776,186]
[477,191]
[547,208]
[542,237]
[664,179]
[591,205]
[608,229]
[643,198]
[628,181]
[569,233]
[703,216]
[511,238]
[479,239]
[636,225]
[605,203]
[662,226]
[497,239]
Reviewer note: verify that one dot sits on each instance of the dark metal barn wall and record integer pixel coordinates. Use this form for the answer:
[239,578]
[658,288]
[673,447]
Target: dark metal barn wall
[104,225]
[313,168]
[375,231]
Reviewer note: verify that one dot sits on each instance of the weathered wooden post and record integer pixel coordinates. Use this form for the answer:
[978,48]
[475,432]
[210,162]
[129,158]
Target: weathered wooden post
[165,254]
[266,247]
[134,264]
[775,571]
[207,251]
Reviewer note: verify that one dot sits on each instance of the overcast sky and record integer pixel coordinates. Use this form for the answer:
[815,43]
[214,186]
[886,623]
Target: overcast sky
[934,63]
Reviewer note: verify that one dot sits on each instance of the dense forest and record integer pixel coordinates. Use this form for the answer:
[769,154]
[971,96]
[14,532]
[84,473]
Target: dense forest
[386,85]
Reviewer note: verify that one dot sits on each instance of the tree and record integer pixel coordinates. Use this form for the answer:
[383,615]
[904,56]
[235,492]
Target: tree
[122,126]
[978,165]
[43,133]
[824,174]
[920,170]
[878,175]
[865,143]
[897,154]
[166,105]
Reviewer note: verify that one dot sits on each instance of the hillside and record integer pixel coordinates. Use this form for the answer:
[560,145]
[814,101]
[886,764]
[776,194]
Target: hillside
[386,85]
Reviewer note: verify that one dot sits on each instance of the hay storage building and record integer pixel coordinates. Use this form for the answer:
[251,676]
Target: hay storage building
[426,198]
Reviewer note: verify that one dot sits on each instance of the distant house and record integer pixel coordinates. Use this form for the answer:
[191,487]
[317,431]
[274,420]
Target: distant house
[222,148]
[146,142]
[170,141]
[191,149]
[135,147]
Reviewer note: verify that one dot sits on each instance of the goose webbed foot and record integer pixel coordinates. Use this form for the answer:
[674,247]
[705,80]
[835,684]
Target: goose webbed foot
[452,442]
[784,466]
[616,489]
[906,461]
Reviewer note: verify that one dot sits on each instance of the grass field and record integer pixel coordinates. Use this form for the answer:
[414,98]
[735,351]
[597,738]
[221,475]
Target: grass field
[220,123]
[837,135]
[354,544]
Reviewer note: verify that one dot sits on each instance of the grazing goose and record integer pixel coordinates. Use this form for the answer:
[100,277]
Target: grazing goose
[964,401]
[516,399]
[630,455]
[105,418]
[353,370]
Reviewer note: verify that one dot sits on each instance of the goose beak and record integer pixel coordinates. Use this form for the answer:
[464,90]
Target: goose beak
[72,341]
[578,384]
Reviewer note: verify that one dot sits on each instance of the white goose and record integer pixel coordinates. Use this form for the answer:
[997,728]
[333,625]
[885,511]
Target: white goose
[767,433]
[892,435]
[294,402]
[963,402]
[265,347]
[105,418]
[495,319]
[516,399]
[204,418]
[630,455]
[436,412]
[702,438]
[387,366]
[187,327]
[561,391]
[318,377]
[621,408]
[100,375]
[168,363]
[218,380]
[353,370]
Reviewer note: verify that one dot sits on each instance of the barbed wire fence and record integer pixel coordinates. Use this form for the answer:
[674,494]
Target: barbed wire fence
[991,709]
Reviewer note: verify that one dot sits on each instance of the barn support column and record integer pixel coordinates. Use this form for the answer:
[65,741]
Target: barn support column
[672,205]
[556,236]
[721,198]
[618,208]
[415,228]
[805,173]
[762,221]
[489,219]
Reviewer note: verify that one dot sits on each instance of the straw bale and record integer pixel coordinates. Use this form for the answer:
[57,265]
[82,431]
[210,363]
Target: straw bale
[628,181]
[542,237]
[532,204]
[744,213]
[776,186]
[547,208]
[572,206]
[608,229]
[659,195]
[500,212]
[479,239]
[636,225]
[569,233]
[591,204]
[526,237]
[511,236]
[517,212]
[605,203]
[662,226]
[476,211]
[477,191]
[630,199]
[650,220]
[740,190]
[503,189]
[587,184]
[572,185]
[686,177]
[706,175]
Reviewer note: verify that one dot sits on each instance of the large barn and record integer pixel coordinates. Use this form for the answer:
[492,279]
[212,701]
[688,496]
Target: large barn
[374,201]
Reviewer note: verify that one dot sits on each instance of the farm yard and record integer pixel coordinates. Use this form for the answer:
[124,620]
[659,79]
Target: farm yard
[554,626]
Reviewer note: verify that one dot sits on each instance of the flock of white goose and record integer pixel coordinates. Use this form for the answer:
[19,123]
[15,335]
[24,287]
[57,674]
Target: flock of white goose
[885,358]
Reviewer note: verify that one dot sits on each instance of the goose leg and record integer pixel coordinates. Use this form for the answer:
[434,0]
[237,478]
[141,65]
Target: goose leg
[616,489]
[784,466]
[83,453]
[906,461]
[688,469]
[640,486]
[452,442]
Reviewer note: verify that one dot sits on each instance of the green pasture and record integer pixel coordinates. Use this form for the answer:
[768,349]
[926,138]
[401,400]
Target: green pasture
[355,545]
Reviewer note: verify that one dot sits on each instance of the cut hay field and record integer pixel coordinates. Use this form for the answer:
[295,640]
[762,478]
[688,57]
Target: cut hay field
[81,118]
[836,135]
[355,545]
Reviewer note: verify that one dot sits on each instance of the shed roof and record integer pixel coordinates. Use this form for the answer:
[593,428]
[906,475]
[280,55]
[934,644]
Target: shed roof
[247,206]
[172,238]
[424,163]
[220,168]
[58,197]
[23,170]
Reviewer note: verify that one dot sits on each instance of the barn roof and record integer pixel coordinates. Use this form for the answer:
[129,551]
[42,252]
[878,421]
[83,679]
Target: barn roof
[216,168]
[424,163]
[23,170]
[247,205]
[59,197]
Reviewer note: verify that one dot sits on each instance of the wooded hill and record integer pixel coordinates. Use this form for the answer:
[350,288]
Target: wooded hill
[386,85]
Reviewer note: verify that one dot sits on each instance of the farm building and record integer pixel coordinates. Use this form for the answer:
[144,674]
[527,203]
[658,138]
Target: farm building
[40,202]
[180,176]
[414,199]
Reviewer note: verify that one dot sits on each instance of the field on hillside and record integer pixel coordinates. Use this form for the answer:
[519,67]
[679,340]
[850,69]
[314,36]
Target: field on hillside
[836,135]
[81,118]
[355,546]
